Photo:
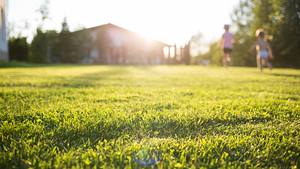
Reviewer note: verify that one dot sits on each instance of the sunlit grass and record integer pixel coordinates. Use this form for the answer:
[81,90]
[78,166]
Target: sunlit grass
[178,116]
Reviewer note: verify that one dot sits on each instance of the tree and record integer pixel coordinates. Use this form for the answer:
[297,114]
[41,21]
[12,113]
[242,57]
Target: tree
[243,52]
[41,50]
[44,12]
[281,21]
[18,48]
[43,47]
[214,54]
[68,46]
[196,44]
[287,39]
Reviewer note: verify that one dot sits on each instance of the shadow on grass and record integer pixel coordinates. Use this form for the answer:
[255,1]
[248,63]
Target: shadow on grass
[285,75]
[69,131]
[17,64]
[92,79]
[14,64]
[84,80]
[137,128]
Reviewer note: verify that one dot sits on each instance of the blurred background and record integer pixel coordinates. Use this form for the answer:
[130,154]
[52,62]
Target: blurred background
[146,32]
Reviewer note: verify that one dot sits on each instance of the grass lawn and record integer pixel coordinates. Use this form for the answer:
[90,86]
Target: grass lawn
[154,117]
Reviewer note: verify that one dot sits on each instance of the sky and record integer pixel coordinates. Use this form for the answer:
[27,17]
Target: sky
[170,21]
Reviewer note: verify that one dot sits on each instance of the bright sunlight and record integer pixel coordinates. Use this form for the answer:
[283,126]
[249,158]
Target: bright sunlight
[169,21]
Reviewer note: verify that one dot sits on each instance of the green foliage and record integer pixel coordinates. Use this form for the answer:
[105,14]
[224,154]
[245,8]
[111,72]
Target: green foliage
[70,47]
[65,45]
[18,48]
[215,54]
[53,47]
[287,39]
[281,21]
[182,117]
[244,53]
[43,47]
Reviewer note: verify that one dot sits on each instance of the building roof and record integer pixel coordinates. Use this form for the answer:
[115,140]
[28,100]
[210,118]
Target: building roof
[117,27]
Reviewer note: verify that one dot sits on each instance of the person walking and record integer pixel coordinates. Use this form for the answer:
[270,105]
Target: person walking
[227,45]
[264,53]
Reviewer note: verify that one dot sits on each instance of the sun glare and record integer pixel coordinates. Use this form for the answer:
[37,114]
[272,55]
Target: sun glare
[168,21]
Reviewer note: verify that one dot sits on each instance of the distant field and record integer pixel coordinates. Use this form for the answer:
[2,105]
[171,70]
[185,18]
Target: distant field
[154,116]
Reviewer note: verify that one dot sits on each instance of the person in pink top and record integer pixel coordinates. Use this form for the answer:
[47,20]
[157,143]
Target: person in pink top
[227,45]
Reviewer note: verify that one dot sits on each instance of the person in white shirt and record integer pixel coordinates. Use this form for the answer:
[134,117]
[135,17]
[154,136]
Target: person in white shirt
[263,51]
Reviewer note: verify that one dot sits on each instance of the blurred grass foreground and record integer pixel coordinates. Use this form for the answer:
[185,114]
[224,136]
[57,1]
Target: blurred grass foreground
[153,117]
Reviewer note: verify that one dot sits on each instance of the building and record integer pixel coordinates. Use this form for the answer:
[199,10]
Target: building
[111,44]
[3,32]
